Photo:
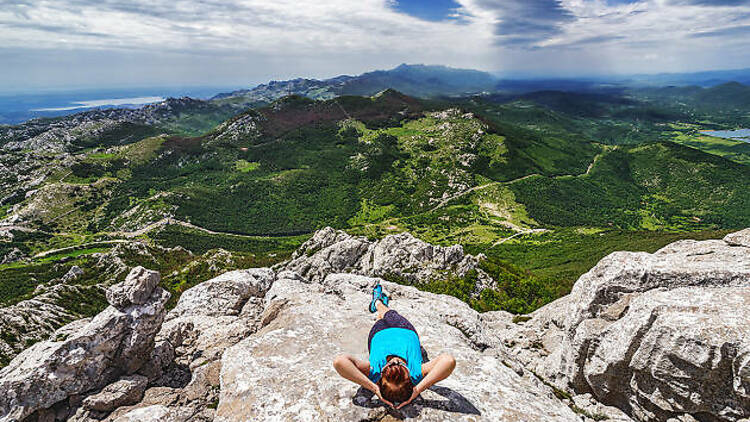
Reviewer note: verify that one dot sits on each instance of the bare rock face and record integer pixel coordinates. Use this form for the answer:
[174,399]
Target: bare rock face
[116,342]
[224,295]
[658,335]
[740,238]
[185,363]
[402,255]
[128,390]
[135,290]
[647,337]
[37,318]
[216,314]
[74,273]
[284,371]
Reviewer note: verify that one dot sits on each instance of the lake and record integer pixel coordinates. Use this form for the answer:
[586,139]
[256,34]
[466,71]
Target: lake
[739,134]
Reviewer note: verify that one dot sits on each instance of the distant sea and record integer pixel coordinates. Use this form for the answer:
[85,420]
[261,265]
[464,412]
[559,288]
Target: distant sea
[17,108]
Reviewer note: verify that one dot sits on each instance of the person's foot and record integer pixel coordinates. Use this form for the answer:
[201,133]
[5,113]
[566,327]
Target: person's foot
[384,298]
[377,292]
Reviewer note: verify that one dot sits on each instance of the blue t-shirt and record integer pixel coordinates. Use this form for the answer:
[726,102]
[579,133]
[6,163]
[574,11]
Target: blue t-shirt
[396,342]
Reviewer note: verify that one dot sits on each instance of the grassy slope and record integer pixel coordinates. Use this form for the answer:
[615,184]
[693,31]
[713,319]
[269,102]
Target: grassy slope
[655,186]
[449,179]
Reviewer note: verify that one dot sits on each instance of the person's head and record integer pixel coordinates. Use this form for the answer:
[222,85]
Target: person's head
[395,382]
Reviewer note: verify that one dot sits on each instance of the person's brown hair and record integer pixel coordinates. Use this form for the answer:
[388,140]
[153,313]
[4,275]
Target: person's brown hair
[395,384]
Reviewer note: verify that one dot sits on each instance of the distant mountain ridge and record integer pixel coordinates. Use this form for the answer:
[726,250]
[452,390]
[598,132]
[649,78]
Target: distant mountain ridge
[719,97]
[415,80]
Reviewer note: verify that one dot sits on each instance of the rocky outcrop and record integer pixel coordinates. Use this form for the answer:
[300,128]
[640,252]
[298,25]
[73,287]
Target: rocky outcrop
[224,295]
[399,256]
[135,290]
[52,376]
[647,337]
[284,371]
[185,364]
[658,335]
[128,390]
[31,320]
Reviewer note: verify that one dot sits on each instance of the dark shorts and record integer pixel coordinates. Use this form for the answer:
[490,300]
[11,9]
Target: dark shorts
[391,319]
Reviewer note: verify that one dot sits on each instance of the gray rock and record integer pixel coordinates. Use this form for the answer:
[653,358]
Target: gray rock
[648,337]
[135,290]
[186,360]
[154,413]
[73,273]
[401,255]
[284,371]
[592,410]
[36,319]
[161,358]
[69,329]
[740,238]
[659,335]
[224,295]
[128,390]
[13,255]
[115,342]
[216,314]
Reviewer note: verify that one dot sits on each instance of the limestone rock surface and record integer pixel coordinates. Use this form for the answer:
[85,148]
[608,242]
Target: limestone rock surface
[642,337]
[135,290]
[185,363]
[224,295]
[34,319]
[401,255]
[284,371]
[658,335]
[740,238]
[116,342]
[128,390]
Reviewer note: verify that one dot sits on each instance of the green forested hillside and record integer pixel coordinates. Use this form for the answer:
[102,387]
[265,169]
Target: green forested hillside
[543,185]
[654,186]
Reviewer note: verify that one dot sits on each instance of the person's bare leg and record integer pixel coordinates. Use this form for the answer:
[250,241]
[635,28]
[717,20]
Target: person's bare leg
[382,309]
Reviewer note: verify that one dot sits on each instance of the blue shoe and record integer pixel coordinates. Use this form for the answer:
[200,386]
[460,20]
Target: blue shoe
[377,293]
[384,298]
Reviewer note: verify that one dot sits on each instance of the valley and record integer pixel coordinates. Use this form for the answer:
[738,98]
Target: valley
[543,184]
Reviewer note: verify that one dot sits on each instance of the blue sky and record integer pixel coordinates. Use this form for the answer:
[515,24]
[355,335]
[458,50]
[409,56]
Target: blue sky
[113,43]
[430,10]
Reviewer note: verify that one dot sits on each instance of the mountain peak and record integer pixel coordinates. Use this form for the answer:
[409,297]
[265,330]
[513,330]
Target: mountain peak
[417,80]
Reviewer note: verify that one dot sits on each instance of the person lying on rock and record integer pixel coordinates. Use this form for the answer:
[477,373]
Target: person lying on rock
[395,371]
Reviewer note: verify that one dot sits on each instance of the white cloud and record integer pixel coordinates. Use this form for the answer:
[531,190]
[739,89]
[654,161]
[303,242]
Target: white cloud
[216,40]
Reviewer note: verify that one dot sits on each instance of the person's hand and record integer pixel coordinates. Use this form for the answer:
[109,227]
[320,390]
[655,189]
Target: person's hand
[380,396]
[414,395]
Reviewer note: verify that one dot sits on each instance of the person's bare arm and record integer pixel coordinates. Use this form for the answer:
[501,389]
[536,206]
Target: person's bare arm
[433,372]
[356,371]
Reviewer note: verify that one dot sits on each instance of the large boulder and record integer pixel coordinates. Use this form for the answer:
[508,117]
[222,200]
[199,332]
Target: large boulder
[126,391]
[400,255]
[135,290]
[216,314]
[658,335]
[224,295]
[186,361]
[284,371]
[116,342]
[31,320]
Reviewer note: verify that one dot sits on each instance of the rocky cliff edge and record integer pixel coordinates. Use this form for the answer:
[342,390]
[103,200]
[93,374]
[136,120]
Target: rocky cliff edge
[649,337]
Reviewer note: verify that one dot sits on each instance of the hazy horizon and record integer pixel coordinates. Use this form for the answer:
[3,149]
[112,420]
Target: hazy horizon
[208,90]
[117,43]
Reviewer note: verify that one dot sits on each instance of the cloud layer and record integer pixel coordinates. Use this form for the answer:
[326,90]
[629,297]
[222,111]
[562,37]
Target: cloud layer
[59,42]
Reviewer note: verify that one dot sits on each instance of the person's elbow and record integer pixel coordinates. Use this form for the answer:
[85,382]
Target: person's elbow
[340,361]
